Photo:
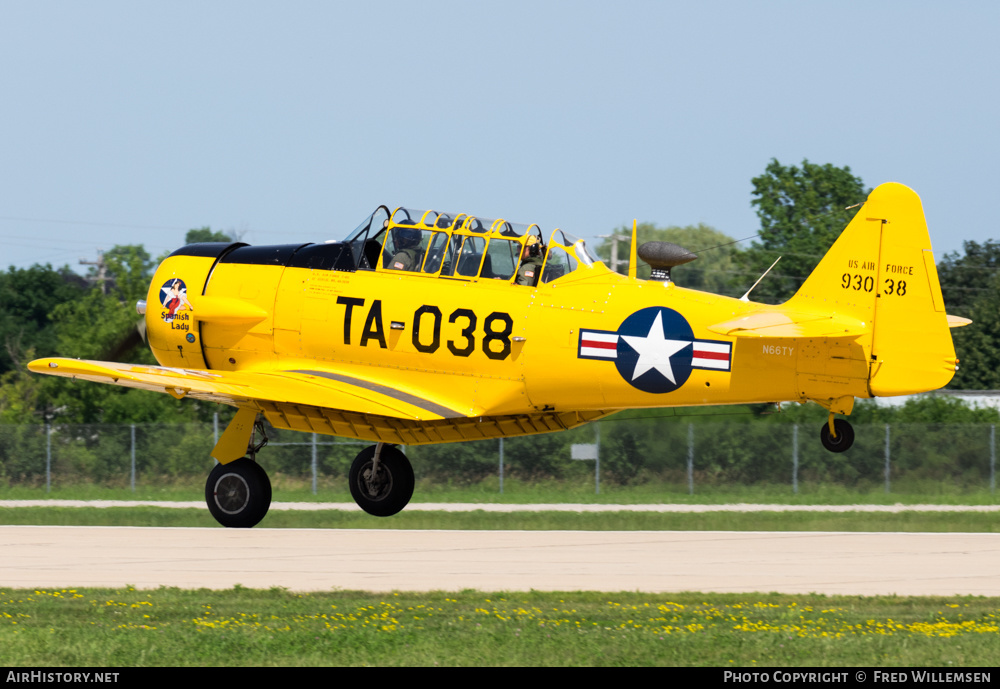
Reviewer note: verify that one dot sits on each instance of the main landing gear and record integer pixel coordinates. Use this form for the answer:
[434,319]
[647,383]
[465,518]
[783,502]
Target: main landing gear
[837,435]
[381,480]
[238,493]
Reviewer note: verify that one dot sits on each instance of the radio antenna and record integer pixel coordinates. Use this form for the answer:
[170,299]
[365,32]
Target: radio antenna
[746,296]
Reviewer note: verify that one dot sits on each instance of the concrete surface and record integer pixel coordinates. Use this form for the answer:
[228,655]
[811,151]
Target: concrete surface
[385,560]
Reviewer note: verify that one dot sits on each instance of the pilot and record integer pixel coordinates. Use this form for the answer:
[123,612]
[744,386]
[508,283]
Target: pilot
[408,255]
[531,263]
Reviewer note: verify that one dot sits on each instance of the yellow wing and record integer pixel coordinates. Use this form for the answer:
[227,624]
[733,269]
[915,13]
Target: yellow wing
[313,388]
[323,401]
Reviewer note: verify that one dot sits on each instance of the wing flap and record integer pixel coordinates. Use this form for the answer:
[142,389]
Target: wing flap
[323,389]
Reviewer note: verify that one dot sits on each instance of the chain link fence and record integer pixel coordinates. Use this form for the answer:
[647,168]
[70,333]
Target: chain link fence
[629,452]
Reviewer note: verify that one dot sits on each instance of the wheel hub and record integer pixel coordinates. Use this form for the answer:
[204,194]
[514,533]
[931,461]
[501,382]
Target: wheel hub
[232,493]
[378,484]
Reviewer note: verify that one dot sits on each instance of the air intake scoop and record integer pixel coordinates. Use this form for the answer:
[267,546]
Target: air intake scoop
[662,256]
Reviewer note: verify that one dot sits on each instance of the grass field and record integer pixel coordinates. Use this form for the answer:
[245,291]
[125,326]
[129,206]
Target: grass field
[522,492]
[244,627]
[913,521]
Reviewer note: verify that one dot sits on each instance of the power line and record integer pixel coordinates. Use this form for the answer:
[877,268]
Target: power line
[129,226]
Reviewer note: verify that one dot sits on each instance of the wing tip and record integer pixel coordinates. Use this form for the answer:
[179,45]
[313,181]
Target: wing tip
[46,364]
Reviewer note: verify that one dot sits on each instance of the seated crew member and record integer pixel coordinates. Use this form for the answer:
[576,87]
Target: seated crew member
[408,255]
[531,263]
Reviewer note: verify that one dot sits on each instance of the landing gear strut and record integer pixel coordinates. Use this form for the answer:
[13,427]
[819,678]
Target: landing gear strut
[381,480]
[837,435]
[239,493]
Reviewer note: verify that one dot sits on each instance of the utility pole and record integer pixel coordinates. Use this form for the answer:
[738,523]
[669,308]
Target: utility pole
[102,271]
[615,238]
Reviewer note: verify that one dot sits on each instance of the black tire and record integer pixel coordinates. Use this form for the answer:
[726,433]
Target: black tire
[844,439]
[238,494]
[392,488]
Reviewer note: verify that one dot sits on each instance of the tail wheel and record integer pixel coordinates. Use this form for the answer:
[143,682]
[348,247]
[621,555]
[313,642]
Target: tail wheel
[844,438]
[386,490]
[238,494]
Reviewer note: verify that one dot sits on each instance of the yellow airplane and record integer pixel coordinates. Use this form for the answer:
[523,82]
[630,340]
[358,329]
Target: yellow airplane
[426,327]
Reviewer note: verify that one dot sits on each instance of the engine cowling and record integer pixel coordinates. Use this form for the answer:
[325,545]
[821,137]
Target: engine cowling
[172,304]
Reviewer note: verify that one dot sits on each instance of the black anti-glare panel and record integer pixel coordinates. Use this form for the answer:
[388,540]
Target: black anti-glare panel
[209,249]
[331,256]
[262,255]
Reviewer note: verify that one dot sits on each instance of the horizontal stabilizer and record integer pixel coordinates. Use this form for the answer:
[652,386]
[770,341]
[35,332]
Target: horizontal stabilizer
[774,323]
[957,321]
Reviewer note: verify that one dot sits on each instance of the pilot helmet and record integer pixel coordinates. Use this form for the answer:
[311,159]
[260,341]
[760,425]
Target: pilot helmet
[407,238]
[532,247]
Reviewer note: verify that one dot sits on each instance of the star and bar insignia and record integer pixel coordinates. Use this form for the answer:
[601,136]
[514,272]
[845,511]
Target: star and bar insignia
[655,350]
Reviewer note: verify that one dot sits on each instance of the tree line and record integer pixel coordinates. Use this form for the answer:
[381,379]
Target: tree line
[46,311]
[802,210]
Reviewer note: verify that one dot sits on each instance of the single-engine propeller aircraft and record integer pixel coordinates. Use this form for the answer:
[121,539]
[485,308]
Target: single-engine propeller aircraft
[426,327]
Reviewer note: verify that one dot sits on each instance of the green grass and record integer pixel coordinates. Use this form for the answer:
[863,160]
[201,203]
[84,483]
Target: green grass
[244,627]
[480,520]
[488,491]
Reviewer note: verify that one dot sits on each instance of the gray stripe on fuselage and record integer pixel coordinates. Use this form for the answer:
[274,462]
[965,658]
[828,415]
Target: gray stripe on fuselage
[388,392]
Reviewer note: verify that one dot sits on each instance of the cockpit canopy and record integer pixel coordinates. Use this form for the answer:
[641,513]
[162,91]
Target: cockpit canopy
[462,246]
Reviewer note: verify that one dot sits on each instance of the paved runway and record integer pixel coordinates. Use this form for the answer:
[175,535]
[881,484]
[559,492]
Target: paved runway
[386,560]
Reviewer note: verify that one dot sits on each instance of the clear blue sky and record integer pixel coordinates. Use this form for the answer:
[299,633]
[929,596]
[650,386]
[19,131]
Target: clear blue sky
[131,122]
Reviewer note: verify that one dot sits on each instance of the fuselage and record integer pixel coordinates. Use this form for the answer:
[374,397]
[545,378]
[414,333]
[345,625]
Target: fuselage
[585,339]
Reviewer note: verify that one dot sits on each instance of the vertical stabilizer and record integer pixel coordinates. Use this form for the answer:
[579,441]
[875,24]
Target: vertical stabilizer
[881,270]
[912,349]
